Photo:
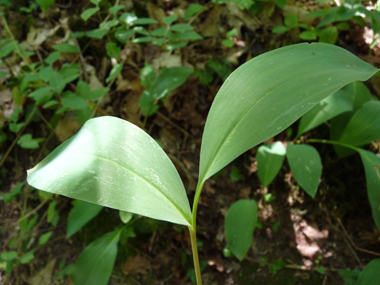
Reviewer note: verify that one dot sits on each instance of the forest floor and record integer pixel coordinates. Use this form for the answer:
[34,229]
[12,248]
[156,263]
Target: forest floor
[300,240]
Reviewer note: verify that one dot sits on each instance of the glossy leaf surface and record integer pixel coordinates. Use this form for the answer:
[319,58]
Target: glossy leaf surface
[241,220]
[370,160]
[80,215]
[328,108]
[306,166]
[267,94]
[364,126]
[113,163]
[94,265]
[269,161]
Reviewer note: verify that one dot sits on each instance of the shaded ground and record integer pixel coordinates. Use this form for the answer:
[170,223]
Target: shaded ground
[297,234]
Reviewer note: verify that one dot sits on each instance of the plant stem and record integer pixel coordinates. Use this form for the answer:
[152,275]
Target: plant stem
[194,248]
[333,142]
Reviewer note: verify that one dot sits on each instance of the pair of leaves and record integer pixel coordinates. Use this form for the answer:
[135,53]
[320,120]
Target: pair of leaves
[304,161]
[113,163]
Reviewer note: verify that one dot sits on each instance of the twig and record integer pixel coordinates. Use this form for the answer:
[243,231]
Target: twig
[353,244]
[173,124]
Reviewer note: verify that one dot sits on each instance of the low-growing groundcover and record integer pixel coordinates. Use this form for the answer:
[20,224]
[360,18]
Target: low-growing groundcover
[149,251]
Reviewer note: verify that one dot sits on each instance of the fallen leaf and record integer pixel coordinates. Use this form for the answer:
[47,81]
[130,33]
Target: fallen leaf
[138,264]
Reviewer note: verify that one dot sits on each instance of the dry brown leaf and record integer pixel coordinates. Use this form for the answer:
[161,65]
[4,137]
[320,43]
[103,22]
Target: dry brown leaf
[67,127]
[44,276]
[138,264]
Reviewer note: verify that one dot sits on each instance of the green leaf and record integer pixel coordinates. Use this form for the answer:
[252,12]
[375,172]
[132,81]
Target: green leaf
[181,28]
[80,215]
[364,126]
[115,71]
[15,114]
[228,43]
[141,30]
[113,163]
[192,10]
[143,40]
[123,36]
[269,159]
[9,197]
[175,45]
[128,18]
[329,35]
[74,102]
[45,4]
[244,4]
[9,255]
[359,94]
[8,48]
[116,9]
[270,92]
[241,220]
[125,216]
[159,32]
[350,276]
[88,13]
[53,57]
[41,95]
[220,67]
[109,24]
[370,160]
[167,80]
[170,19]
[94,265]
[308,36]
[26,141]
[27,257]
[291,21]
[84,91]
[235,174]
[370,273]
[97,33]
[44,238]
[113,51]
[328,108]
[280,30]
[144,21]
[147,75]
[66,48]
[306,166]
[51,211]
[186,36]
[97,93]
[280,3]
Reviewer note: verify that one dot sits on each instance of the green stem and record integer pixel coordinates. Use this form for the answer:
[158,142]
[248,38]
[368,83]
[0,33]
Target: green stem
[194,248]
[195,204]
[333,142]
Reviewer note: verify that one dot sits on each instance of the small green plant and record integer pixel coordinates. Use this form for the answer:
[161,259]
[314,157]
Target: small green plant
[113,163]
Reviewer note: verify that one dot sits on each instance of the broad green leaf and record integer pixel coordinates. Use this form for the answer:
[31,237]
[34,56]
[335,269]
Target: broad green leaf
[370,273]
[143,40]
[328,108]
[306,166]
[125,216]
[53,57]
[147,75]
[44,238]
[45,4]
[80,215]
[328,35]
[370,160]
[97,33]
[10,196]
[94,265]
[192,10]
[69,72]
[115,71]
[88,13]
[220,67]
[228,43]
[280,3]
[113,163]
[186,36]
[269,161]
[270,92]
[97,93]
[241,220]
[175,45]
[350,276]
[95,2]
[364,126]
[280,30]
[51,211]
[66,48]
[84,91]
[109,24]
[359,94]
[308,36]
